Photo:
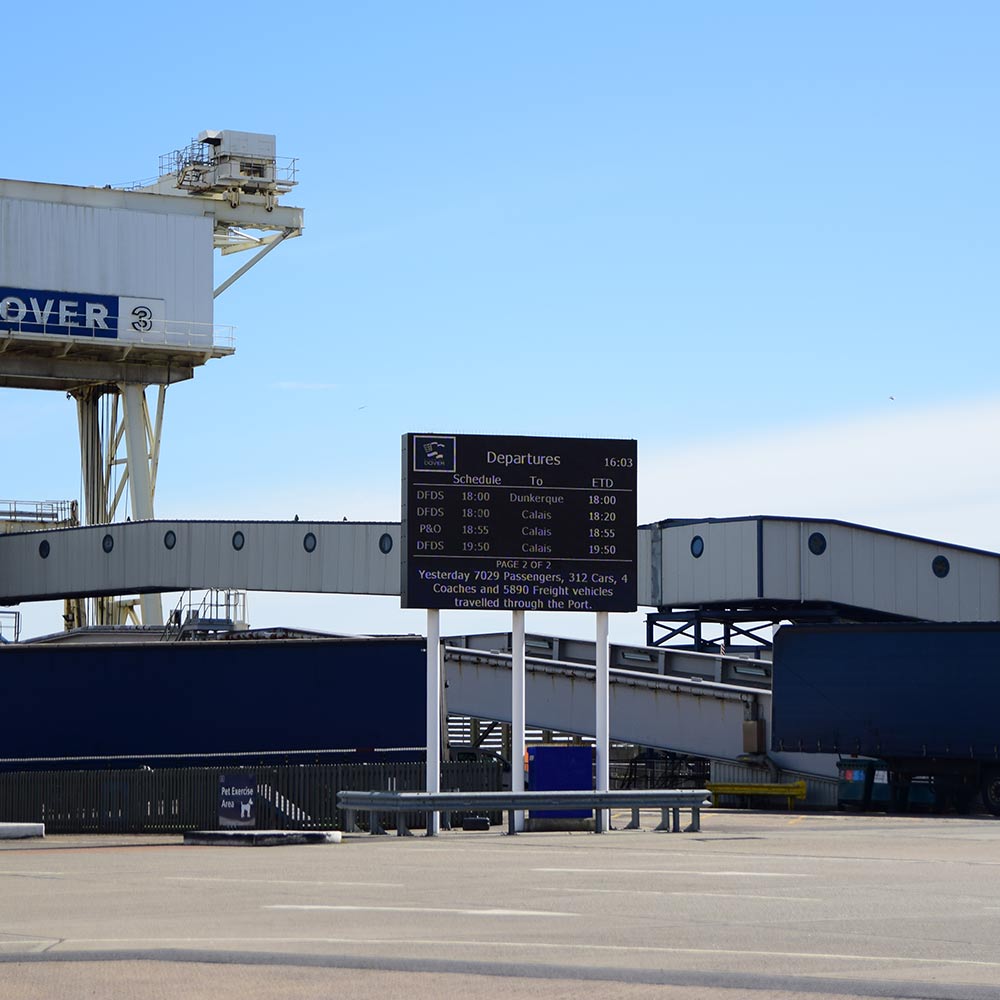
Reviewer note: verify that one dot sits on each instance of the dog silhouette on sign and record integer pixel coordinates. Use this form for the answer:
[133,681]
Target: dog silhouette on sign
[245,808]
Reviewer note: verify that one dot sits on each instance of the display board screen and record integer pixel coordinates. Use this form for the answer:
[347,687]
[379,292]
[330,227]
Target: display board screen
[518,523]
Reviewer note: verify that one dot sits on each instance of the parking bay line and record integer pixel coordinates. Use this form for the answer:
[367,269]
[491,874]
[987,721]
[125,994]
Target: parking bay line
[670,892]
[282,881]
[422,909]
[672,871]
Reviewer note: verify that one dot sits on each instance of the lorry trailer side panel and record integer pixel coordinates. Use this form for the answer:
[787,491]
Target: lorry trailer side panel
[123,703]
[889,690]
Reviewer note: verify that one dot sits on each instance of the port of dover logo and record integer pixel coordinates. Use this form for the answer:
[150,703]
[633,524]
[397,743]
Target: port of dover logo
[433,453]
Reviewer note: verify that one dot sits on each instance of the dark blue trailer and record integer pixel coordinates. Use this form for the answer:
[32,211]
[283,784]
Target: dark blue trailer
[922,697]
[122,704]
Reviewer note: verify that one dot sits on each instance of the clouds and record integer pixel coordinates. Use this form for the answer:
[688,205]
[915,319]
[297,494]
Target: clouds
[929,472]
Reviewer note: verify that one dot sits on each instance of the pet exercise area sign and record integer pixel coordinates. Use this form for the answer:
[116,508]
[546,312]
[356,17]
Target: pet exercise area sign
[518,523]
[237,794]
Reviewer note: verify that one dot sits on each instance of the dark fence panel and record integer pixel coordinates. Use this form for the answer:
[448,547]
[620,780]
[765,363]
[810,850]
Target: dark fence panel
[172,800]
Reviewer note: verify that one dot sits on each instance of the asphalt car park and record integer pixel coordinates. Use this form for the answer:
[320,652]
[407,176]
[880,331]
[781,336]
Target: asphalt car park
[768,904]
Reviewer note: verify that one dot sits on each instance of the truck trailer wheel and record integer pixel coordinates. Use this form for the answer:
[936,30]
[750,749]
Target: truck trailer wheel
[991,790]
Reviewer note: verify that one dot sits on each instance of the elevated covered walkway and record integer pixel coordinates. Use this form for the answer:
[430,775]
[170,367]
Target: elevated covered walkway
[733,570]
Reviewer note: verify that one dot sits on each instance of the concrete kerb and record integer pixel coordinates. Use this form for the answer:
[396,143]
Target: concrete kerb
[261,838]
[21,831]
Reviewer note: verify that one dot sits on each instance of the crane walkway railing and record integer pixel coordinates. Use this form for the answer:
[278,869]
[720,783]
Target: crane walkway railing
[670,801]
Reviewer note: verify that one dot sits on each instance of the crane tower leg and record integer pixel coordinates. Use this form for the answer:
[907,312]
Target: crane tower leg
[101,437]
[141,448]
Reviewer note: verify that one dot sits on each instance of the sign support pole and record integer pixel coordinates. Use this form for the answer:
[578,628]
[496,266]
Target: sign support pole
[603,727]
[433,782]
[517,711]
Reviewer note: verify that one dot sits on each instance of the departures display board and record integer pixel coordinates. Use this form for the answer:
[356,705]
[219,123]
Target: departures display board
[518,523]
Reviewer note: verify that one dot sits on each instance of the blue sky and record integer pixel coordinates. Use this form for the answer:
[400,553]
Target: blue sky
[760,238]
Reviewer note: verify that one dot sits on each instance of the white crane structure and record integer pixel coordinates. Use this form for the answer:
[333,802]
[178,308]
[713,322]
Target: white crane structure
[108,292]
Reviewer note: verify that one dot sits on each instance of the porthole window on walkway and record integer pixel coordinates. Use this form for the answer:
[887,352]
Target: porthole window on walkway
[817,543]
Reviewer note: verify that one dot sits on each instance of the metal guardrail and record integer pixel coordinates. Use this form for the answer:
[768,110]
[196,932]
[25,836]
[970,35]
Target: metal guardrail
[668,800]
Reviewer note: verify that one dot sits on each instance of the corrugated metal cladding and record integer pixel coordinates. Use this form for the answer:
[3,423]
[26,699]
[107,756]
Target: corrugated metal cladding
[730,561]
[142,556]
[706,561]
[109,251]
[647,565]
[826,561]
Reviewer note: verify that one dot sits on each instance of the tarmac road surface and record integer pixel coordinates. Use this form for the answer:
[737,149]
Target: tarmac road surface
[777,905]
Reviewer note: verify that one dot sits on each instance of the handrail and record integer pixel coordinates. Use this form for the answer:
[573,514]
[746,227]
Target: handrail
[180,334]
[544,664]
[39,510]
[400,802]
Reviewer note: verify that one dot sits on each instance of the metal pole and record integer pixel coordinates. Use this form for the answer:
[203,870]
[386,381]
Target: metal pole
[602,682]
[517,712]
[433,713]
